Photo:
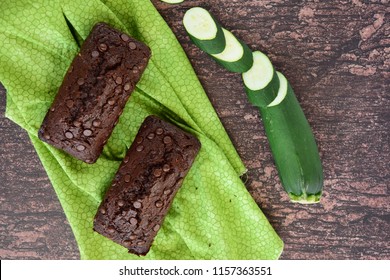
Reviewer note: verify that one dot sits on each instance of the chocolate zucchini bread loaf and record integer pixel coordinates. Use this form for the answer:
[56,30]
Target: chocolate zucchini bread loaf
[94,92]
[142,191]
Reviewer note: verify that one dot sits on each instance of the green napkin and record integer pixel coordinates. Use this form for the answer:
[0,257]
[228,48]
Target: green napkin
[213,216]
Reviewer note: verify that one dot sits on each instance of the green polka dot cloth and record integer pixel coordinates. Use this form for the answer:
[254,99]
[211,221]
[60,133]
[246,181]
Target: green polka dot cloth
[212,216]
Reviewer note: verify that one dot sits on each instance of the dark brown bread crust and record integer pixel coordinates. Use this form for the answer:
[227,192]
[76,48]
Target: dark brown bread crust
[142,191]
[94,92]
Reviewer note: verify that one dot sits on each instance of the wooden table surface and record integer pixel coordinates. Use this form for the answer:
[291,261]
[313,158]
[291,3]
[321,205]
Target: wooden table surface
[336,54]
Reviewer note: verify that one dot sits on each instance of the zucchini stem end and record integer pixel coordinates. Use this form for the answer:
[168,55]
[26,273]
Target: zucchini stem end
[305,198]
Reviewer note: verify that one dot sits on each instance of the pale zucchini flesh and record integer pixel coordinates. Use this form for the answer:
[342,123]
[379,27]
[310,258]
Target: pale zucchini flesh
[233,49]
[260,74]
[199,23]
[261,81]
[172,1]
[204,30]
[236,57]
[282,92]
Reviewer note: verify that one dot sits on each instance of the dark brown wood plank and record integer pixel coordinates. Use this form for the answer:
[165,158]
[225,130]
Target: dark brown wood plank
[336,54]
[32,222]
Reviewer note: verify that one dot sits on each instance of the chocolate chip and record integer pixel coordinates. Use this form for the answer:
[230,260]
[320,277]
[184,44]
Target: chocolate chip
[95,54]
[133,237]
[150,136]
[156,227]
[159,131]
[127,178]
[111,229]
[69,135]
[158,203]
[102,210]
[127,87]
[121,203]
[167,140]
[96,123]
[126,160]
[46,136]
[118,89]
[133,221]
[80,81]
[140,140]
[132,45]
[124,37]
[118,80]
[135,71]
[80,148]
[52,109]
[166,168]
[69,103]
[137,204]
[141,242]
[77,123]
[103,47]
[140,148]
[88,160]
[167,191]
[111,101]
[127,243]
[87,132]
[157,172]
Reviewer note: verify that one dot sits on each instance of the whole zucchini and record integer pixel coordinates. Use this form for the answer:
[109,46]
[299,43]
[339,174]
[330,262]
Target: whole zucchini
[289,134]
[294,149]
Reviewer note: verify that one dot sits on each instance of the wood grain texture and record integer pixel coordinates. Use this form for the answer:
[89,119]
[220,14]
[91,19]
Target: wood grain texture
[336,55]
[32,222]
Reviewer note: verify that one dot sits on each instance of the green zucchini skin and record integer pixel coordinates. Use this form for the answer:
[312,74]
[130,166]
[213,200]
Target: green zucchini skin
[213,46]
[289,134]
[240,66]
[262,97]
[294,149]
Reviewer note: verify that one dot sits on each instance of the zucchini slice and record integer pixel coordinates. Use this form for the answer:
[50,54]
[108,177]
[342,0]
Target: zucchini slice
[261,81]
[260,74]
[172,1]
[236,57]
[294,149]
[282,92]
[204,30]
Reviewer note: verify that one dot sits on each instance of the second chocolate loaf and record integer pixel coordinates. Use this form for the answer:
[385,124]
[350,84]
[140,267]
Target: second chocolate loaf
[94,92]
[143,189]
